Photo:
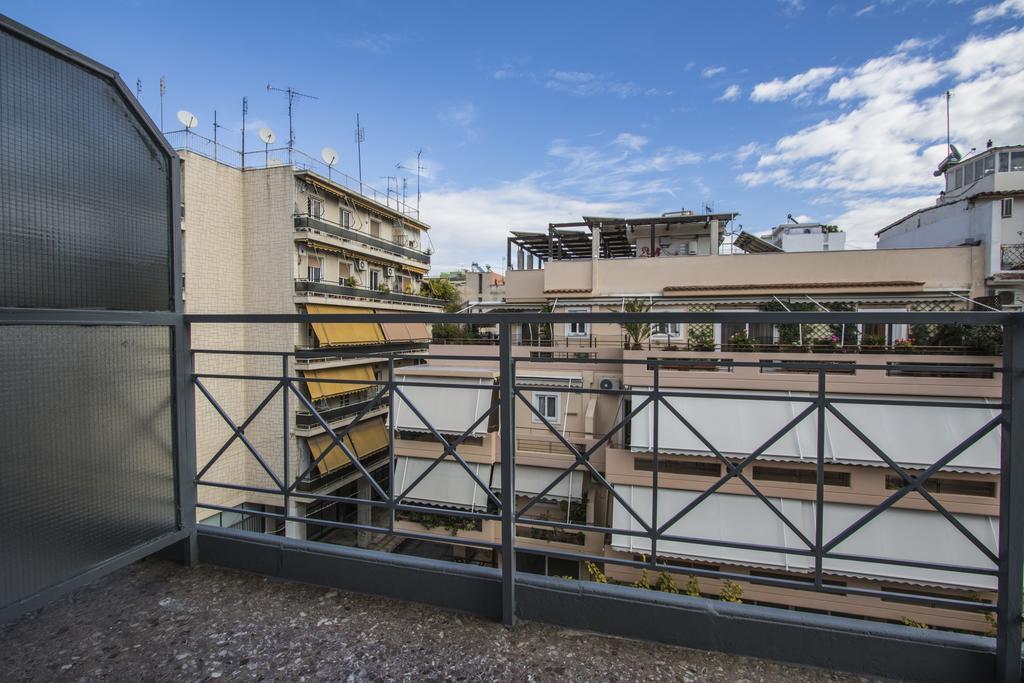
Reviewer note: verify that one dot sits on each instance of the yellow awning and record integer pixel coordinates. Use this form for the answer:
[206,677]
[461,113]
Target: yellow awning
[335,334]
[404,331]
[363,440]
[318,390]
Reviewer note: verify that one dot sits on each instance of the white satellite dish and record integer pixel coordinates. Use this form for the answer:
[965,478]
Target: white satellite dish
[188,119]
[329,155]
[267,135]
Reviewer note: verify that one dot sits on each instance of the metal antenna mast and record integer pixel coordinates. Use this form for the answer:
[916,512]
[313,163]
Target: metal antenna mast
[138,88]
[245,110]
[163,89]
[949,149]
[419,171]
[215,127]
[360,137]
[292,93]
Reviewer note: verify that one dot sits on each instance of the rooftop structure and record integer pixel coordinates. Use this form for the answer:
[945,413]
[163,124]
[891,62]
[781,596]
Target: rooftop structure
[793,237]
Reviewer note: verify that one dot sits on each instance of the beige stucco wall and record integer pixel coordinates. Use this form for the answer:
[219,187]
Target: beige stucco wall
[958,268]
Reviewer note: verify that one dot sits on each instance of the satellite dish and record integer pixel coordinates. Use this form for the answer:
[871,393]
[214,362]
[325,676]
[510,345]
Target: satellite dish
[329,155]
[188,119]
[267,135]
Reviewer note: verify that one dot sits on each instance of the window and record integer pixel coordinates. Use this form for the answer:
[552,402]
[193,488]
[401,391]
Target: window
[949,486]
[667,329]
[546,405]
[314,272]
[344,270]
[757,333]
[1006,208]
[793,475]
[691,467]
[881,334]
[1017,161]
[346,218]
[968,174]
[374,279]
[315,207]
[1004,162]
[375,228]
[990,164]
[959,177]
[577,328]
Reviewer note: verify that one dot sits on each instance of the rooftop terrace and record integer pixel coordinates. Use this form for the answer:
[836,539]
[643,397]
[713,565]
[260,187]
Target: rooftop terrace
[158,620]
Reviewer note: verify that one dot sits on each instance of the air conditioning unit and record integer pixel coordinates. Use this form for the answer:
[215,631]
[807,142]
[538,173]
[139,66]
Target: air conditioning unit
[389,271]
[609,383]
[360,264]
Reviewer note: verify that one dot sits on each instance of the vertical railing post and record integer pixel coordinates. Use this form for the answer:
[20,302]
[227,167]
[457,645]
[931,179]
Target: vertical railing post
[506,380]
[185,445]
[391,443]
[819,496]
[1011,512]
[286,434]
[656,396]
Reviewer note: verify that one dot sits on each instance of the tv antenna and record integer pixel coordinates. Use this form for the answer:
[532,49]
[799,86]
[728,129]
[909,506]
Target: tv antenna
[138,88]
[268,138]
[419,172]
[215,127]
[330,157]
[163,89]
[360,138]
[291,93]
[949,146]
[245,110]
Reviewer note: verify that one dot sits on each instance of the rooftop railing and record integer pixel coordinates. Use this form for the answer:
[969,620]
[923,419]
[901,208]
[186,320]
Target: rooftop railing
[637,481]
[268,157]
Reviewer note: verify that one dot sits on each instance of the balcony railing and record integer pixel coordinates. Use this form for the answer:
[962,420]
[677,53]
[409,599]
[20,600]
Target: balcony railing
[1012,256]
[307,222]
[303,286]
[771,542]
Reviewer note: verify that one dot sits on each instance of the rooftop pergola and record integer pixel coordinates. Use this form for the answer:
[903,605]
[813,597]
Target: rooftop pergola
[566,241]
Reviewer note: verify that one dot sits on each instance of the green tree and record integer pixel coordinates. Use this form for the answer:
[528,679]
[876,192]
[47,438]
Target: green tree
[636,333]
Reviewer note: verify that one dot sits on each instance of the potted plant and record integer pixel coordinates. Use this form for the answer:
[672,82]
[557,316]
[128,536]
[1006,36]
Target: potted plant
[740,342]
[872,343]
[636,333]
[903,346]
[351,281]
[827,344]
[383,288]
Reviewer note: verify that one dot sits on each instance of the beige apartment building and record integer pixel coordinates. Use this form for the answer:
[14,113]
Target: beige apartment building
[600,265]
[283,239]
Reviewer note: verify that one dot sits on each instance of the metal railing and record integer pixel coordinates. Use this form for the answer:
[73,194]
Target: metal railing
[268,157]
[1002,565]
[1012,256]
[303,286]
[307,222]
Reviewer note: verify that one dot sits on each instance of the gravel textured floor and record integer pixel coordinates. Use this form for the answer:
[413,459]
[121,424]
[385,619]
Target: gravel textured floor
[156,620]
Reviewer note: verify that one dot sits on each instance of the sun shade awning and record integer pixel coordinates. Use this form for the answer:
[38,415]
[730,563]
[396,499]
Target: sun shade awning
[531,480]
[448,484]
[404,332]
[363,440]
[913,436]
[752,244]
[898,534]
[450,409]
[319,390]
[339,334]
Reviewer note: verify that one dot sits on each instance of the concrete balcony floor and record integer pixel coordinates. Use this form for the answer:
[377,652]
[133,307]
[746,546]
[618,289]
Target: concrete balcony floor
[156,620]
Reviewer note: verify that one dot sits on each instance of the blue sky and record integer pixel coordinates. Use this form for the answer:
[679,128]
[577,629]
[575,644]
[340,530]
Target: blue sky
[534,112]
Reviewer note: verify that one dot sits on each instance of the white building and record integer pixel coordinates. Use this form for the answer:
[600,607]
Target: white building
[980,205]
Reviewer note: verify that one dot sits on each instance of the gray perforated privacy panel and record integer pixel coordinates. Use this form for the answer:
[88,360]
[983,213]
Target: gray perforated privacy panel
[84,190]
[86,464]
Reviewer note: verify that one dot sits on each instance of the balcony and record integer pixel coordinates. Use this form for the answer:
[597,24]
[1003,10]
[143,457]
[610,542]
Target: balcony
[305,420]
[307,222]
[790,570]
[331,289]
[1011,257]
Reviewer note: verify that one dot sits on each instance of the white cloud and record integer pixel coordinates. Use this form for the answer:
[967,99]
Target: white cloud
[584,83]
[877,153]
[472,224]
[711,71]
[731,93]
[864,10]
[1005,8]
[791,7]
[778,89]
[630,141]
[459,114]
[374,43]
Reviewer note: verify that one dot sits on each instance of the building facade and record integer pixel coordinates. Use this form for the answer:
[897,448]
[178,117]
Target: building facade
[282,239]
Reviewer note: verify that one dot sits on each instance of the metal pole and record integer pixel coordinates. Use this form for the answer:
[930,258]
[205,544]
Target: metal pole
[245,110]
[286,428]
[359,151]
[819,496]
[508,497]
[1011,512]
[656,407]
[391,442]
